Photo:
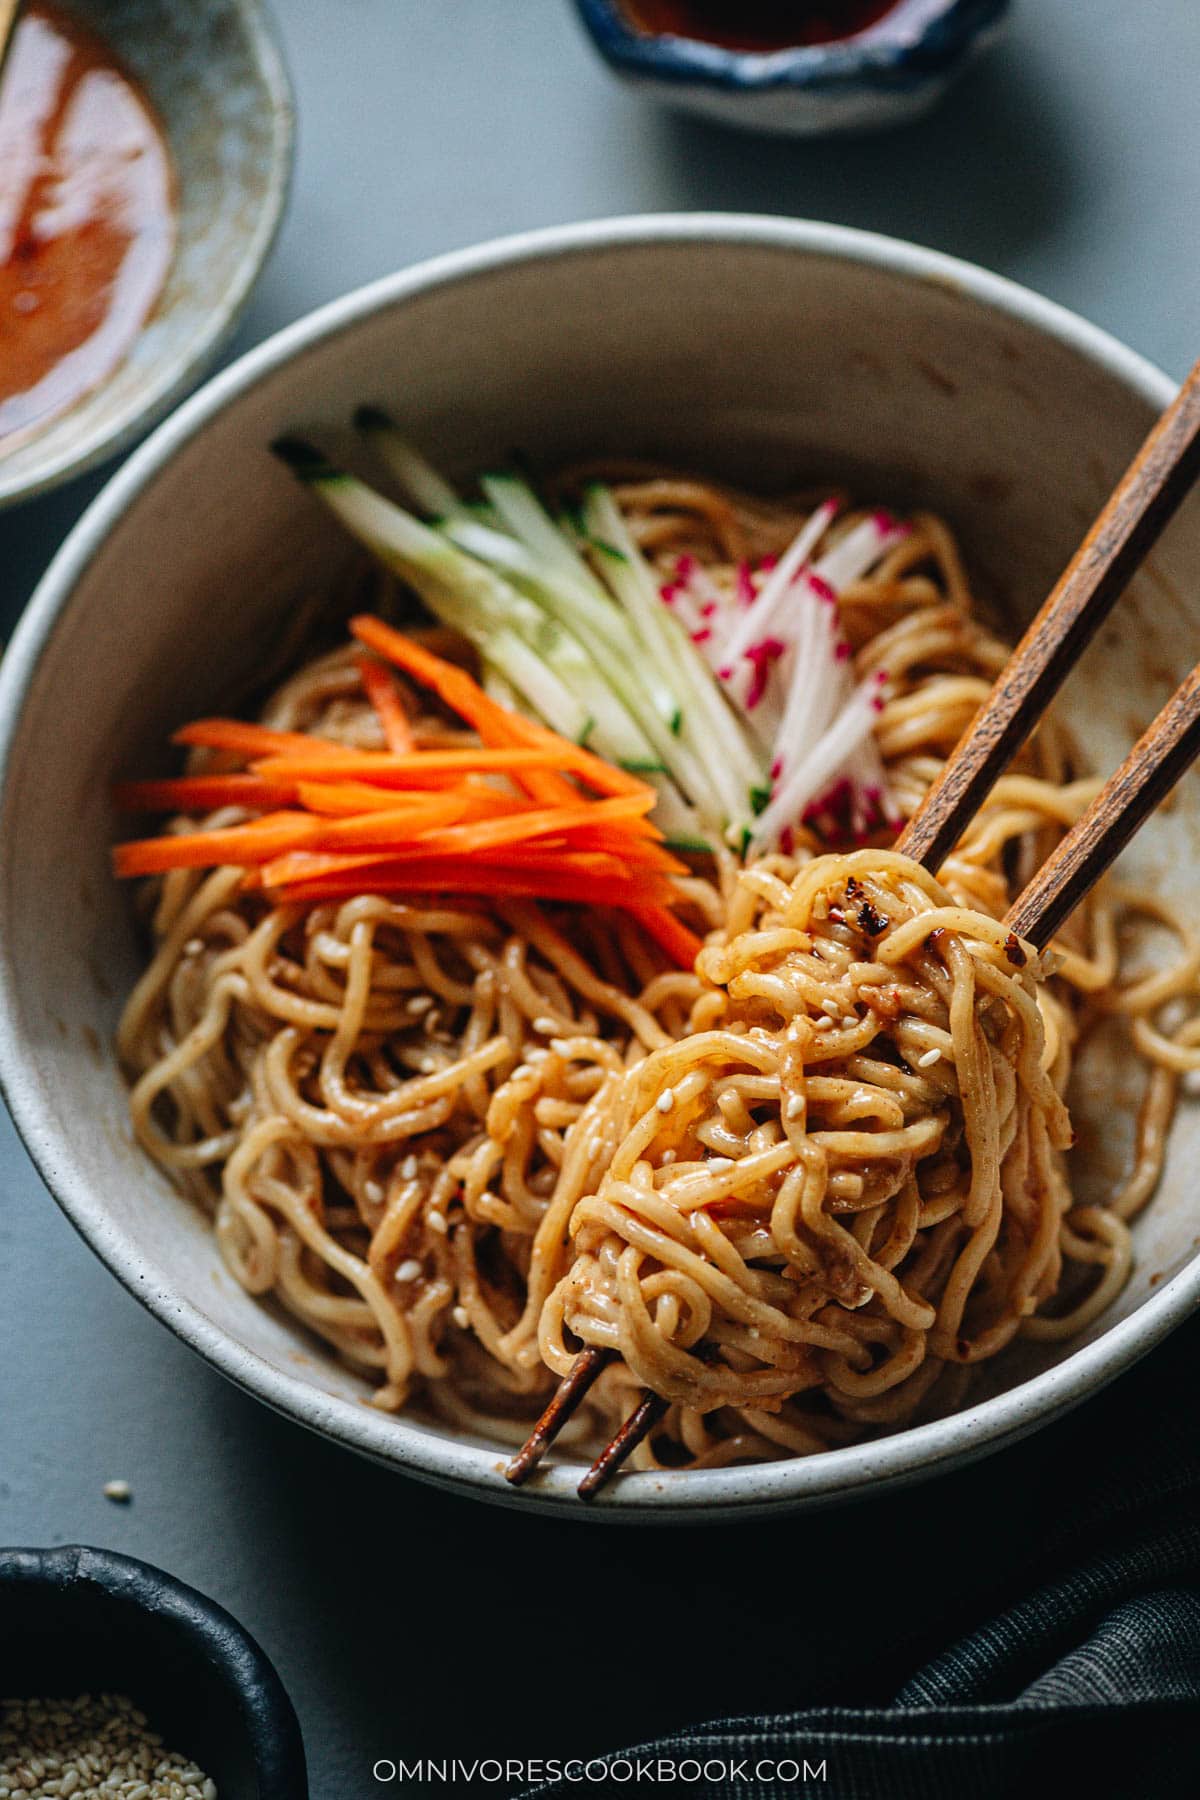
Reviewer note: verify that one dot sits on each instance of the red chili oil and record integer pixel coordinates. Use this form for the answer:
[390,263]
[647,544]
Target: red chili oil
[761,25]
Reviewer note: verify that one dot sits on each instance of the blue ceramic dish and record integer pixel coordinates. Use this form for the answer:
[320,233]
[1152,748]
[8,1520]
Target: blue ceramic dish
[886,75]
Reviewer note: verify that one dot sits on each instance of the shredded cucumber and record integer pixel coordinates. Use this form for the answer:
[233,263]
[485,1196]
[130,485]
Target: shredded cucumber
[568,621]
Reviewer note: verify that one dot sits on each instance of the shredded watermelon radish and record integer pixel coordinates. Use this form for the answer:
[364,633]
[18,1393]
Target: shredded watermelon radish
[778,650]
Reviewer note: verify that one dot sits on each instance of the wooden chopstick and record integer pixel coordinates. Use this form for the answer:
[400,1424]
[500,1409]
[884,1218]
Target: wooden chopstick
[1156,762]
[641,1421]
[9,12]
[1165,750]
[1134,516]
[1137,511]
[567,1398]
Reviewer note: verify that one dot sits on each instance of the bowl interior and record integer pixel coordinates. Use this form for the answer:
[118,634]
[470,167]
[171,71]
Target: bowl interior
[214,77]
[766,358]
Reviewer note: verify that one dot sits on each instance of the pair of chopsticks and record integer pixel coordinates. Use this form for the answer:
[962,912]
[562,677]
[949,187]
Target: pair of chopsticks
[1133,518]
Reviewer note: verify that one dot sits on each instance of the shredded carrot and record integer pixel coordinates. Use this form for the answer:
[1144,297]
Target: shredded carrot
[402,828]
[669,933]
[421,768]
[246,739]
[453,685]
[346,799]
[521,827]
[495,724]
[523,814]
[380,690]
[202,793]
[495,882]
[252,843]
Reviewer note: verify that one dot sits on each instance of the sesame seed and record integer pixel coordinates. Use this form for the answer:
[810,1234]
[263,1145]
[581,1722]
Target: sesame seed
[193,947]
[408,1168]
[420,1003]
[795,1107]
[668,1156]
[461,1317]
[546,1026]
[409,1270]
[118,1490]
[666,1100]
[436,1221]
[374,1191]
[823,1023]
[927,1060]
[89,1746]
[832,1008]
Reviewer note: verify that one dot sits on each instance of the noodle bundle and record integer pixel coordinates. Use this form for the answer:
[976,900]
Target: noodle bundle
[850,1181]
[802,1190]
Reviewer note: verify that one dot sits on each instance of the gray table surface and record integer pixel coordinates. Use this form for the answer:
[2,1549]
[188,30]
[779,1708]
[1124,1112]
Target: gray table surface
[403,1621]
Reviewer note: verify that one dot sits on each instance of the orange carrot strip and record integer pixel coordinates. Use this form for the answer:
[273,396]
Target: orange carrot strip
[494,723]
[422,768]
[450,683]
[669,933]
[343,799]
[399,828]
[391,831]
[313,863]
[633,852]
[455,878]
[346,799]
[253,843]
[518,828]
[380,690]
[246,739]
[604,776]
[201,793]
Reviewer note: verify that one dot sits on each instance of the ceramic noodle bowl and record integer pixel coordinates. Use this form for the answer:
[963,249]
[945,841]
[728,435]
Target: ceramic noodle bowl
[767,351]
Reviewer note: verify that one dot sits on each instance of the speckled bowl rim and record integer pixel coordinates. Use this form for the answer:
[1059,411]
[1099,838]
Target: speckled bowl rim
[159,394]
[698,1496]
[882,61]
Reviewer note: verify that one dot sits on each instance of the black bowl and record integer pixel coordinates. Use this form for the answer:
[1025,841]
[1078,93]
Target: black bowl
[75,1620]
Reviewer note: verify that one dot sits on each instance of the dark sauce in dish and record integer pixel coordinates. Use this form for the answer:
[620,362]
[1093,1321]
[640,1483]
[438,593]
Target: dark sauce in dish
[87,217]
[762,25]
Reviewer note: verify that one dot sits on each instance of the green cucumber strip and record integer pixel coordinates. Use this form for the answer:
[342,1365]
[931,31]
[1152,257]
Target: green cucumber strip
[709,725]
[417,477]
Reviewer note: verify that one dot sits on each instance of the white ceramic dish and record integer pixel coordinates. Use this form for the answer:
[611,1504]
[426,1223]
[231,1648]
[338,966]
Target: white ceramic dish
[759,347]
[216,78]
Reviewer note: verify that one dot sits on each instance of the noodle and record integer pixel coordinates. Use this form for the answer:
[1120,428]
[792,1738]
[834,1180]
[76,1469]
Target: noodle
[803,1190]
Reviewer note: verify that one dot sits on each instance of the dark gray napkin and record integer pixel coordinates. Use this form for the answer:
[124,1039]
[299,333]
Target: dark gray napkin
[1071,1568]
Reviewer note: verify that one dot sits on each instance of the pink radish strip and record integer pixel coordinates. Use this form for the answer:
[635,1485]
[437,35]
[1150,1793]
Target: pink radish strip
[753,620]
[819,685]
[860,550]
[811,775]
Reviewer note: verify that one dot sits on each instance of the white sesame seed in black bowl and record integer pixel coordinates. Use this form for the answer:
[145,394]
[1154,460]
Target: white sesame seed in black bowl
[116,1679]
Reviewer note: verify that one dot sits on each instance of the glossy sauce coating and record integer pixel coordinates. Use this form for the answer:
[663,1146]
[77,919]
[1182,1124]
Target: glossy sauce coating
[86,217]
[757,24]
